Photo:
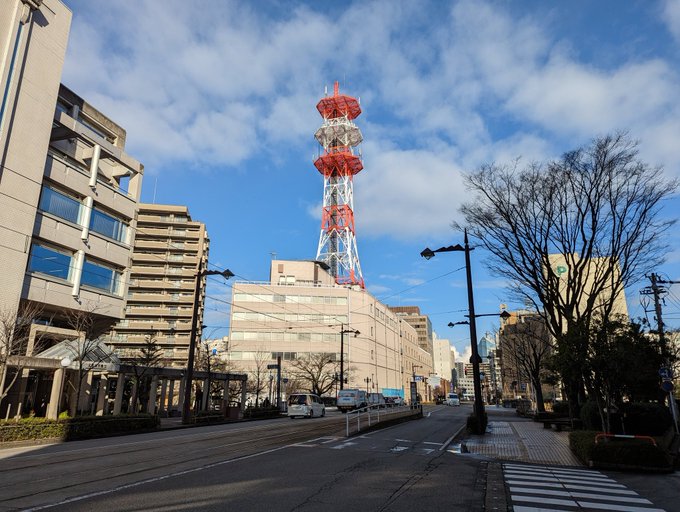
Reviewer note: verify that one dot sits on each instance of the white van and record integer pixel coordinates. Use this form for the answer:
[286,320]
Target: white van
[305,404]
[350,399]
[452,399]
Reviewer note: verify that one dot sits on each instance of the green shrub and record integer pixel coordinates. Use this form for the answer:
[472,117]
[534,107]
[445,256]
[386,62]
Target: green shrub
[82,427]
[648,419]
[473,426]
[630,452]
[617,452]
[590,416]
[581,443]
[261,412]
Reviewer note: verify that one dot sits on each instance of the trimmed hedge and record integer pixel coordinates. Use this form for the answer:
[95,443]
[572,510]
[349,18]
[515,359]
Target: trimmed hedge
[618,453]
[261,412]
[69,429]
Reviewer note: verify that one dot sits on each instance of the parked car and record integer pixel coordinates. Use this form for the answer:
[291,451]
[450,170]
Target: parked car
[395,400]
[305,404]
[350,399]
[452,399]
[376,399]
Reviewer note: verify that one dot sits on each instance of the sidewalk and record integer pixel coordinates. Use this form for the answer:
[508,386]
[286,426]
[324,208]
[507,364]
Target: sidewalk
[511,437]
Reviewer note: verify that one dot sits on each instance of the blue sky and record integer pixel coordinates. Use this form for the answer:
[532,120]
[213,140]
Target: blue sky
[218,100]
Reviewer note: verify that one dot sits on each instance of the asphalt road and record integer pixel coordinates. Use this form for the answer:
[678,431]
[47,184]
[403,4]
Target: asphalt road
[283,464]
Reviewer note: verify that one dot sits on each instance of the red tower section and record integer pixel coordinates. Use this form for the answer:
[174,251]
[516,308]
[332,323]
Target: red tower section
[338,164]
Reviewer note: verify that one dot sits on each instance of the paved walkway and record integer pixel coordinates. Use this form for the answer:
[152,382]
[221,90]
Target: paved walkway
[510,437]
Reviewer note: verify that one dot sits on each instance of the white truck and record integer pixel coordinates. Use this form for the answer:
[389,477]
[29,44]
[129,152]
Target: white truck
[351,399]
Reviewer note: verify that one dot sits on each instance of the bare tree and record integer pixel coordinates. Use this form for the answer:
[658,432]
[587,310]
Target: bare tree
[598,208]
[211,362]
[316,371]
[15,340]
[527,344]
[257,384]
[85,349]
[149,356]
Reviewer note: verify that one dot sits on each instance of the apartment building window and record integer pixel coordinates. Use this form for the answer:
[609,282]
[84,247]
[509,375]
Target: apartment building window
[108,225]
[60,204]
[50,261]
[100,276]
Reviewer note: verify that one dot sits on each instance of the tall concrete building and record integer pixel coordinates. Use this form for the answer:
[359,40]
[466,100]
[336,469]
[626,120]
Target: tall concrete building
[443,358]
[68,195]
[301,311]
[589,276]
[169,250]
[421,323]
[68,190]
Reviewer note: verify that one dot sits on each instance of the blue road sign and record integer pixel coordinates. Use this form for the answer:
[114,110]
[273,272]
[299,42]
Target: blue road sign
[667,386]
[665,373]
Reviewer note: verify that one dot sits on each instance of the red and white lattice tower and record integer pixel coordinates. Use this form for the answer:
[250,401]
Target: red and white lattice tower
[339,135]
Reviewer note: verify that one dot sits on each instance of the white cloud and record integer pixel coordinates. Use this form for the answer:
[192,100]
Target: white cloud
[671,16]
[444,89]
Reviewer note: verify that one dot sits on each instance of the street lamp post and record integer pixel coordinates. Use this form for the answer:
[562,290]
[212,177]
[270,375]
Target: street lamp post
[429,253]
[344,331]
[189,374]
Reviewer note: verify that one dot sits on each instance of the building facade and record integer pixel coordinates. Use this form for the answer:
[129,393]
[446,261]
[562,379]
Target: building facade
[169,250]
[68,197]
[421,323]
[302,311]
[68,190]
[444,358]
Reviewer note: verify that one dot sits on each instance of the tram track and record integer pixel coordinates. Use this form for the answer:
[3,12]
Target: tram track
[61,477]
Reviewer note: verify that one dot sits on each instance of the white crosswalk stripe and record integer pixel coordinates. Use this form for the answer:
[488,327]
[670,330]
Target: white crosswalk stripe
[556,489]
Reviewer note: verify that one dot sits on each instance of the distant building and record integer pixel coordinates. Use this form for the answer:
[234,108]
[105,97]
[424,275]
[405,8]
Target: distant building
[302,311]
[522,335]
[421,323]
[443,357]
[169,250]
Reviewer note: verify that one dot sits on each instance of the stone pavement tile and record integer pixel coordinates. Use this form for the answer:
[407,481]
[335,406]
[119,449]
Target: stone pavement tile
[523,441]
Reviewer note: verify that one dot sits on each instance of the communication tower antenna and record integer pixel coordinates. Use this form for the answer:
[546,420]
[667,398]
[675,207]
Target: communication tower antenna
[338,164]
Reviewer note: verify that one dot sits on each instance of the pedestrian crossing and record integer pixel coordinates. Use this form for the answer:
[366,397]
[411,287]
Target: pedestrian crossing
[558,489]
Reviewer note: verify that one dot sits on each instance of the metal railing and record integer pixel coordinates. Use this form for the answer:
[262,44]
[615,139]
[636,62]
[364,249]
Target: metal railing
[370,415]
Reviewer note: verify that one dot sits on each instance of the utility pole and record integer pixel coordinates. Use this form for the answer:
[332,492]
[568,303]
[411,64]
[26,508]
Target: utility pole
[656,291]
[189,373]
[344,331]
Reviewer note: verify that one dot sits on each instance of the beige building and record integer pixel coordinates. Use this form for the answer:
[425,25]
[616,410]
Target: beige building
[444,357]
[68,190]
[169,250]
[301,310]
[590,274]
[420,322]
[68,193]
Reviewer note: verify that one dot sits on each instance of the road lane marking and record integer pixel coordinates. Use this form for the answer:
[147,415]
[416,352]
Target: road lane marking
[152,480]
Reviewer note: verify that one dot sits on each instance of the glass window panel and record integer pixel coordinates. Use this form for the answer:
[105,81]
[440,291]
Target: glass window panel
[61,205]
[49,261]
[107,225]
[101,277]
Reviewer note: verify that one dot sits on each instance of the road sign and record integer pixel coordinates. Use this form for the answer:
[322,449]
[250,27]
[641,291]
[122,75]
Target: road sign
[417,378]
[272,366]
[665,373]
[667,386]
